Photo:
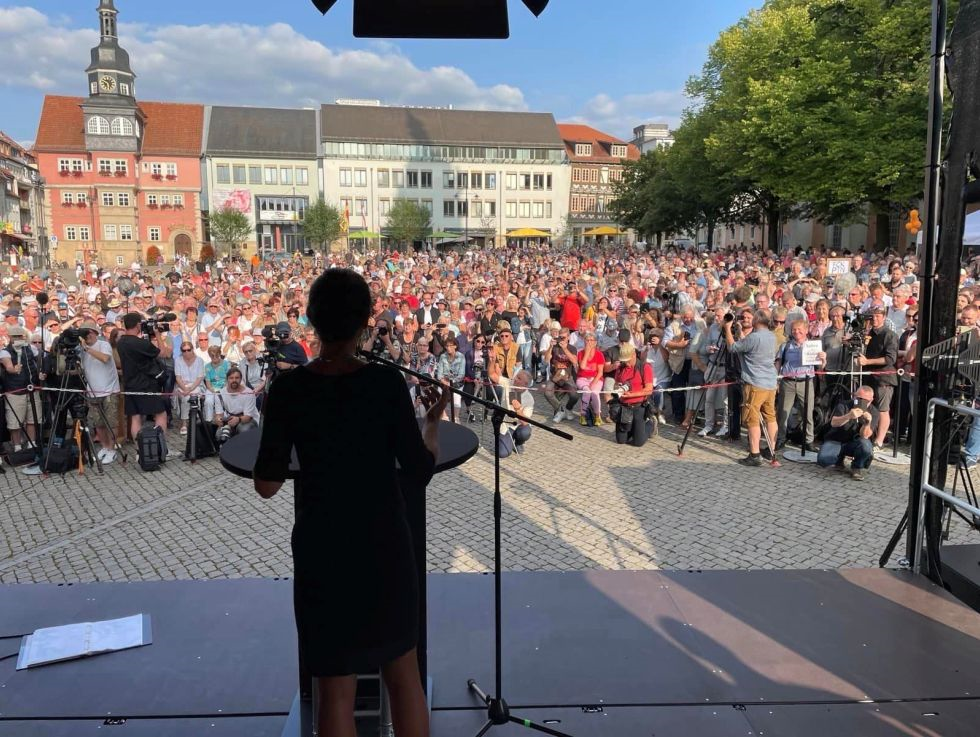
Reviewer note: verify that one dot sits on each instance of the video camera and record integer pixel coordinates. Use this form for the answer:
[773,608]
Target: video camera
[70,339]
[154,325]
[274,338]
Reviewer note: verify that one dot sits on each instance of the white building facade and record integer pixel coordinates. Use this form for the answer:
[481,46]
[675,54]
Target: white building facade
[482,175]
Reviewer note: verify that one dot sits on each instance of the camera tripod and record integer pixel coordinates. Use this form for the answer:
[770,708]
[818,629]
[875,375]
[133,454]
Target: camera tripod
[721,349]
[72,402]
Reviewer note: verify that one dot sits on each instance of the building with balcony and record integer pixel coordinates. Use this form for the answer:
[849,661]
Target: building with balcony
[262,162]
[597,160]
[123,178]
[21,221]
[482,175]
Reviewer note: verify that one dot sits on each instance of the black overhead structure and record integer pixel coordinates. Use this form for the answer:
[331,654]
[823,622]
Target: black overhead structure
[486,19]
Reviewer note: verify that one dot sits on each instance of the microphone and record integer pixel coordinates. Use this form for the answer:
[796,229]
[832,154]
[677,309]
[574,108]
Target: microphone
[166,317]
[42,298]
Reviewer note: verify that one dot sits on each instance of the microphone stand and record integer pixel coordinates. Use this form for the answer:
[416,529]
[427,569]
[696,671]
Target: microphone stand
[498,712]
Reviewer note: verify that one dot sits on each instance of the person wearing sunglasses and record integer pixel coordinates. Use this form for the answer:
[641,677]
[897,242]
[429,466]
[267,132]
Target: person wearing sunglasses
[189,373]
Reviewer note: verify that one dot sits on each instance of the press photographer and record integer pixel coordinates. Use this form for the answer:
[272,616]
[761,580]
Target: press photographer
[851,428]
[20,370]
[143,371]
[102,382]
[280,344]
[631,410]
[757,359]
[235,411]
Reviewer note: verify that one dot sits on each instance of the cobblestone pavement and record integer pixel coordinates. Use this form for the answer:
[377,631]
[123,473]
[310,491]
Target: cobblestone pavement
[567,505]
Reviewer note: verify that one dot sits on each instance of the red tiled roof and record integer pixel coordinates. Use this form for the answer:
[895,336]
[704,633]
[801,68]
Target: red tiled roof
[572,133]
[174,128]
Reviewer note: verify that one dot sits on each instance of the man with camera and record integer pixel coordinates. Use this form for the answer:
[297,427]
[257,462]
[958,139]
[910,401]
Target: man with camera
[20,369]
[143,371]
[514,433]
[881,354]
[235,411]
[851,428]
[757,358]
[102,382]
[378,339]
[289,353]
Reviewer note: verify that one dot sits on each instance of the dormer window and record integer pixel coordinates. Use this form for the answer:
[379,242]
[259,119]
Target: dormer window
[619,151]
[583,149]
[98,126]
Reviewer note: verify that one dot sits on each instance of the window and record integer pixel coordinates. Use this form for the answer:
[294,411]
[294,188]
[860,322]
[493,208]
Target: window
[93,88]
[476,180]
[525,181]
[360,177]
[510,209]
[108,199]
[412,178]
[345,203]
[122,127]
[120,166]
[68,197]
[619,151]
[490,208]
[449,180]
[154,233]
[223,174]
[547,210]
[398,178]
[98,126]
[547,181]
[271,175]
[462,180]
[120,261]
[151,199]
[384,207]
[81,198]
[156,170]
[583,149]
[616,175]
[449,208]
[285,175]
[83,233]
[123,88]
[125,232]
[538,180]
[461,208]
[384,178]
[105,166]
[604,175]
[178,200]
[123,199]
[477,209]
[238,174]
[255,175]
[164,200]
[525,209]
[346,179]
[426,180]
[511,181]
[302,175]
[64,164]
[574,204]
[427,206]
[490,181]
[360,206]
[109,232]
[71,233]
[538,210]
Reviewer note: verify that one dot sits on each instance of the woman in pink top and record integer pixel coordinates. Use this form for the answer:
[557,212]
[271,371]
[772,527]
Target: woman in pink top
[589,381]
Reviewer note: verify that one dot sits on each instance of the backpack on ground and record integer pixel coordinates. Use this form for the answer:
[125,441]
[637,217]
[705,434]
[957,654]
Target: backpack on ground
[149,447]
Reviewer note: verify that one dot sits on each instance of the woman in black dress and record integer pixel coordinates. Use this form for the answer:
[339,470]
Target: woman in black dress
[355,591]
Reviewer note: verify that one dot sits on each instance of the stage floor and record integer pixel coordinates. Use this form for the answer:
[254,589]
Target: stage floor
[864,652]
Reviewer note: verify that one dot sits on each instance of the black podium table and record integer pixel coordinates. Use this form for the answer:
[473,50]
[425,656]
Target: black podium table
[457,444]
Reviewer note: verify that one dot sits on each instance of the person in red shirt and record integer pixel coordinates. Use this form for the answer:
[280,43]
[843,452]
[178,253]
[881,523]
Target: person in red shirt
[589,379]
[634,383]
[570,305]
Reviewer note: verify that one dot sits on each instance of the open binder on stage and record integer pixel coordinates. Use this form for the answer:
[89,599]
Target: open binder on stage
[71,641]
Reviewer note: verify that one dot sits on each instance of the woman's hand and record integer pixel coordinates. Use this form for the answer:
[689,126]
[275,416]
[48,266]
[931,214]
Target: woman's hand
[436,400]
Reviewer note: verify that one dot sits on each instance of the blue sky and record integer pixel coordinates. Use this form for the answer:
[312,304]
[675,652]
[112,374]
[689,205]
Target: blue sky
[613,65]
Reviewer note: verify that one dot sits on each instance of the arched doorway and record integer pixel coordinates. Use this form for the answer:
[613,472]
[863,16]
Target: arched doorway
[182,245]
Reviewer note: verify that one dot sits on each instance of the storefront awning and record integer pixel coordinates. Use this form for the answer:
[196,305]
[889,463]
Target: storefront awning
[603,230]
[527,233]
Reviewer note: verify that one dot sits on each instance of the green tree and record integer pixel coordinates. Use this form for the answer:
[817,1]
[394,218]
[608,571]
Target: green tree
[408,222]
[322,224]
[229,227]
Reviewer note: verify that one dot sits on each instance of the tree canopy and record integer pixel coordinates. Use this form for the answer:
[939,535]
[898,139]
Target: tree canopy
[322,224]
[229,227]
[408,222]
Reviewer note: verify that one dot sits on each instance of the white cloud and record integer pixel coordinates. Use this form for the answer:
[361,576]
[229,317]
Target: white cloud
[236,64]
[619,116]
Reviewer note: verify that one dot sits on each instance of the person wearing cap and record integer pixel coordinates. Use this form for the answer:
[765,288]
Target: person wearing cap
[102,382]
[503,362]
[611,367]
[881,354]
[634,381]
[290,354]
[20,371]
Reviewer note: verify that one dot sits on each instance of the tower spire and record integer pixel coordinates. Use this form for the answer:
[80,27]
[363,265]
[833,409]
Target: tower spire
[107,20]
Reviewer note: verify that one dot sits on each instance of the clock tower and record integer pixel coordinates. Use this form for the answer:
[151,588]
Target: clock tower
[113,120]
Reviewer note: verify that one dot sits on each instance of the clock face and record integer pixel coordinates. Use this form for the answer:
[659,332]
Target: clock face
[108,84]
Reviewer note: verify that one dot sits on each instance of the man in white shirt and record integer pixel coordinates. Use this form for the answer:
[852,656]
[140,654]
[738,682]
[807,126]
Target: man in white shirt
[515,433]
[235,411]
[102,380]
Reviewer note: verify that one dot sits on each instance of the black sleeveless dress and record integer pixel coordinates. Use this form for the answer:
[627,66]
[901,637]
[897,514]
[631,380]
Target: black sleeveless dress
[355,591]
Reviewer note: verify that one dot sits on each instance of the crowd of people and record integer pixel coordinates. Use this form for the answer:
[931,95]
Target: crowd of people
[630,337]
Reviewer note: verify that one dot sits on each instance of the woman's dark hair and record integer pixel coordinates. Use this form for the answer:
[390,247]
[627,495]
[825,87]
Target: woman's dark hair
[339,304]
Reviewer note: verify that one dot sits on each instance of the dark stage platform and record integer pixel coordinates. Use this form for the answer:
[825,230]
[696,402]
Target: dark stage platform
[862,652]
